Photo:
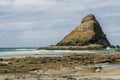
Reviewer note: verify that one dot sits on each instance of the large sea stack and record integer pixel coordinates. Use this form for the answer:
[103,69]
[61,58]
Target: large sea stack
[87,35]
[88,32]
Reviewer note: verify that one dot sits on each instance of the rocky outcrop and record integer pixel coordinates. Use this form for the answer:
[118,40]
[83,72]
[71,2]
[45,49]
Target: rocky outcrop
[87,33]
[86,47]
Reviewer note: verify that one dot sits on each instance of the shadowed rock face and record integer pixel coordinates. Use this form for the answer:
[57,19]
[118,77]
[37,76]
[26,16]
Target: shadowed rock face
[88,32]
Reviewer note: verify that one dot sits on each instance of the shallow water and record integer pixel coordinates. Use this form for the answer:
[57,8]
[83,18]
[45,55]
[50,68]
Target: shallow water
[32,52]
[109,67]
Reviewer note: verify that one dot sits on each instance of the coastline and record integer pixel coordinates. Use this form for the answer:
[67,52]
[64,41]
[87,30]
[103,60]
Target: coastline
[82,65]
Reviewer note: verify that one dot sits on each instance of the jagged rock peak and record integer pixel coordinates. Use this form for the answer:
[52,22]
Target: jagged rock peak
[88,18]
[87,33]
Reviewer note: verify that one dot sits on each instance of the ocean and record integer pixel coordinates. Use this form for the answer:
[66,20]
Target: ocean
[33,52]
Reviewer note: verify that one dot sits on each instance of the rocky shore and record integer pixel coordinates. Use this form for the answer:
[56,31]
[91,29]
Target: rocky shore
[88,47]
[69,67]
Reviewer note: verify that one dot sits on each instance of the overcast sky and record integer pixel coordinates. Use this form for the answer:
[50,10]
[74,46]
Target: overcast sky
[34,23]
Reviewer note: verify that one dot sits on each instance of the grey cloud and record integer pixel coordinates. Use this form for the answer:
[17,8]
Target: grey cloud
[52,17]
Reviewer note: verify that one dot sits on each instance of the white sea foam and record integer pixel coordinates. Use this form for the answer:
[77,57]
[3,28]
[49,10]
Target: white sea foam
[68,51]
[25,49]
[108,48]
[39,53]
[45,53]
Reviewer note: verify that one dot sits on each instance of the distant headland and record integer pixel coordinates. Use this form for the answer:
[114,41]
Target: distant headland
[86,36]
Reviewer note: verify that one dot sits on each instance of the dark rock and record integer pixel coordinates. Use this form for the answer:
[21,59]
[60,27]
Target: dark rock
[117,46]
[88,32]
